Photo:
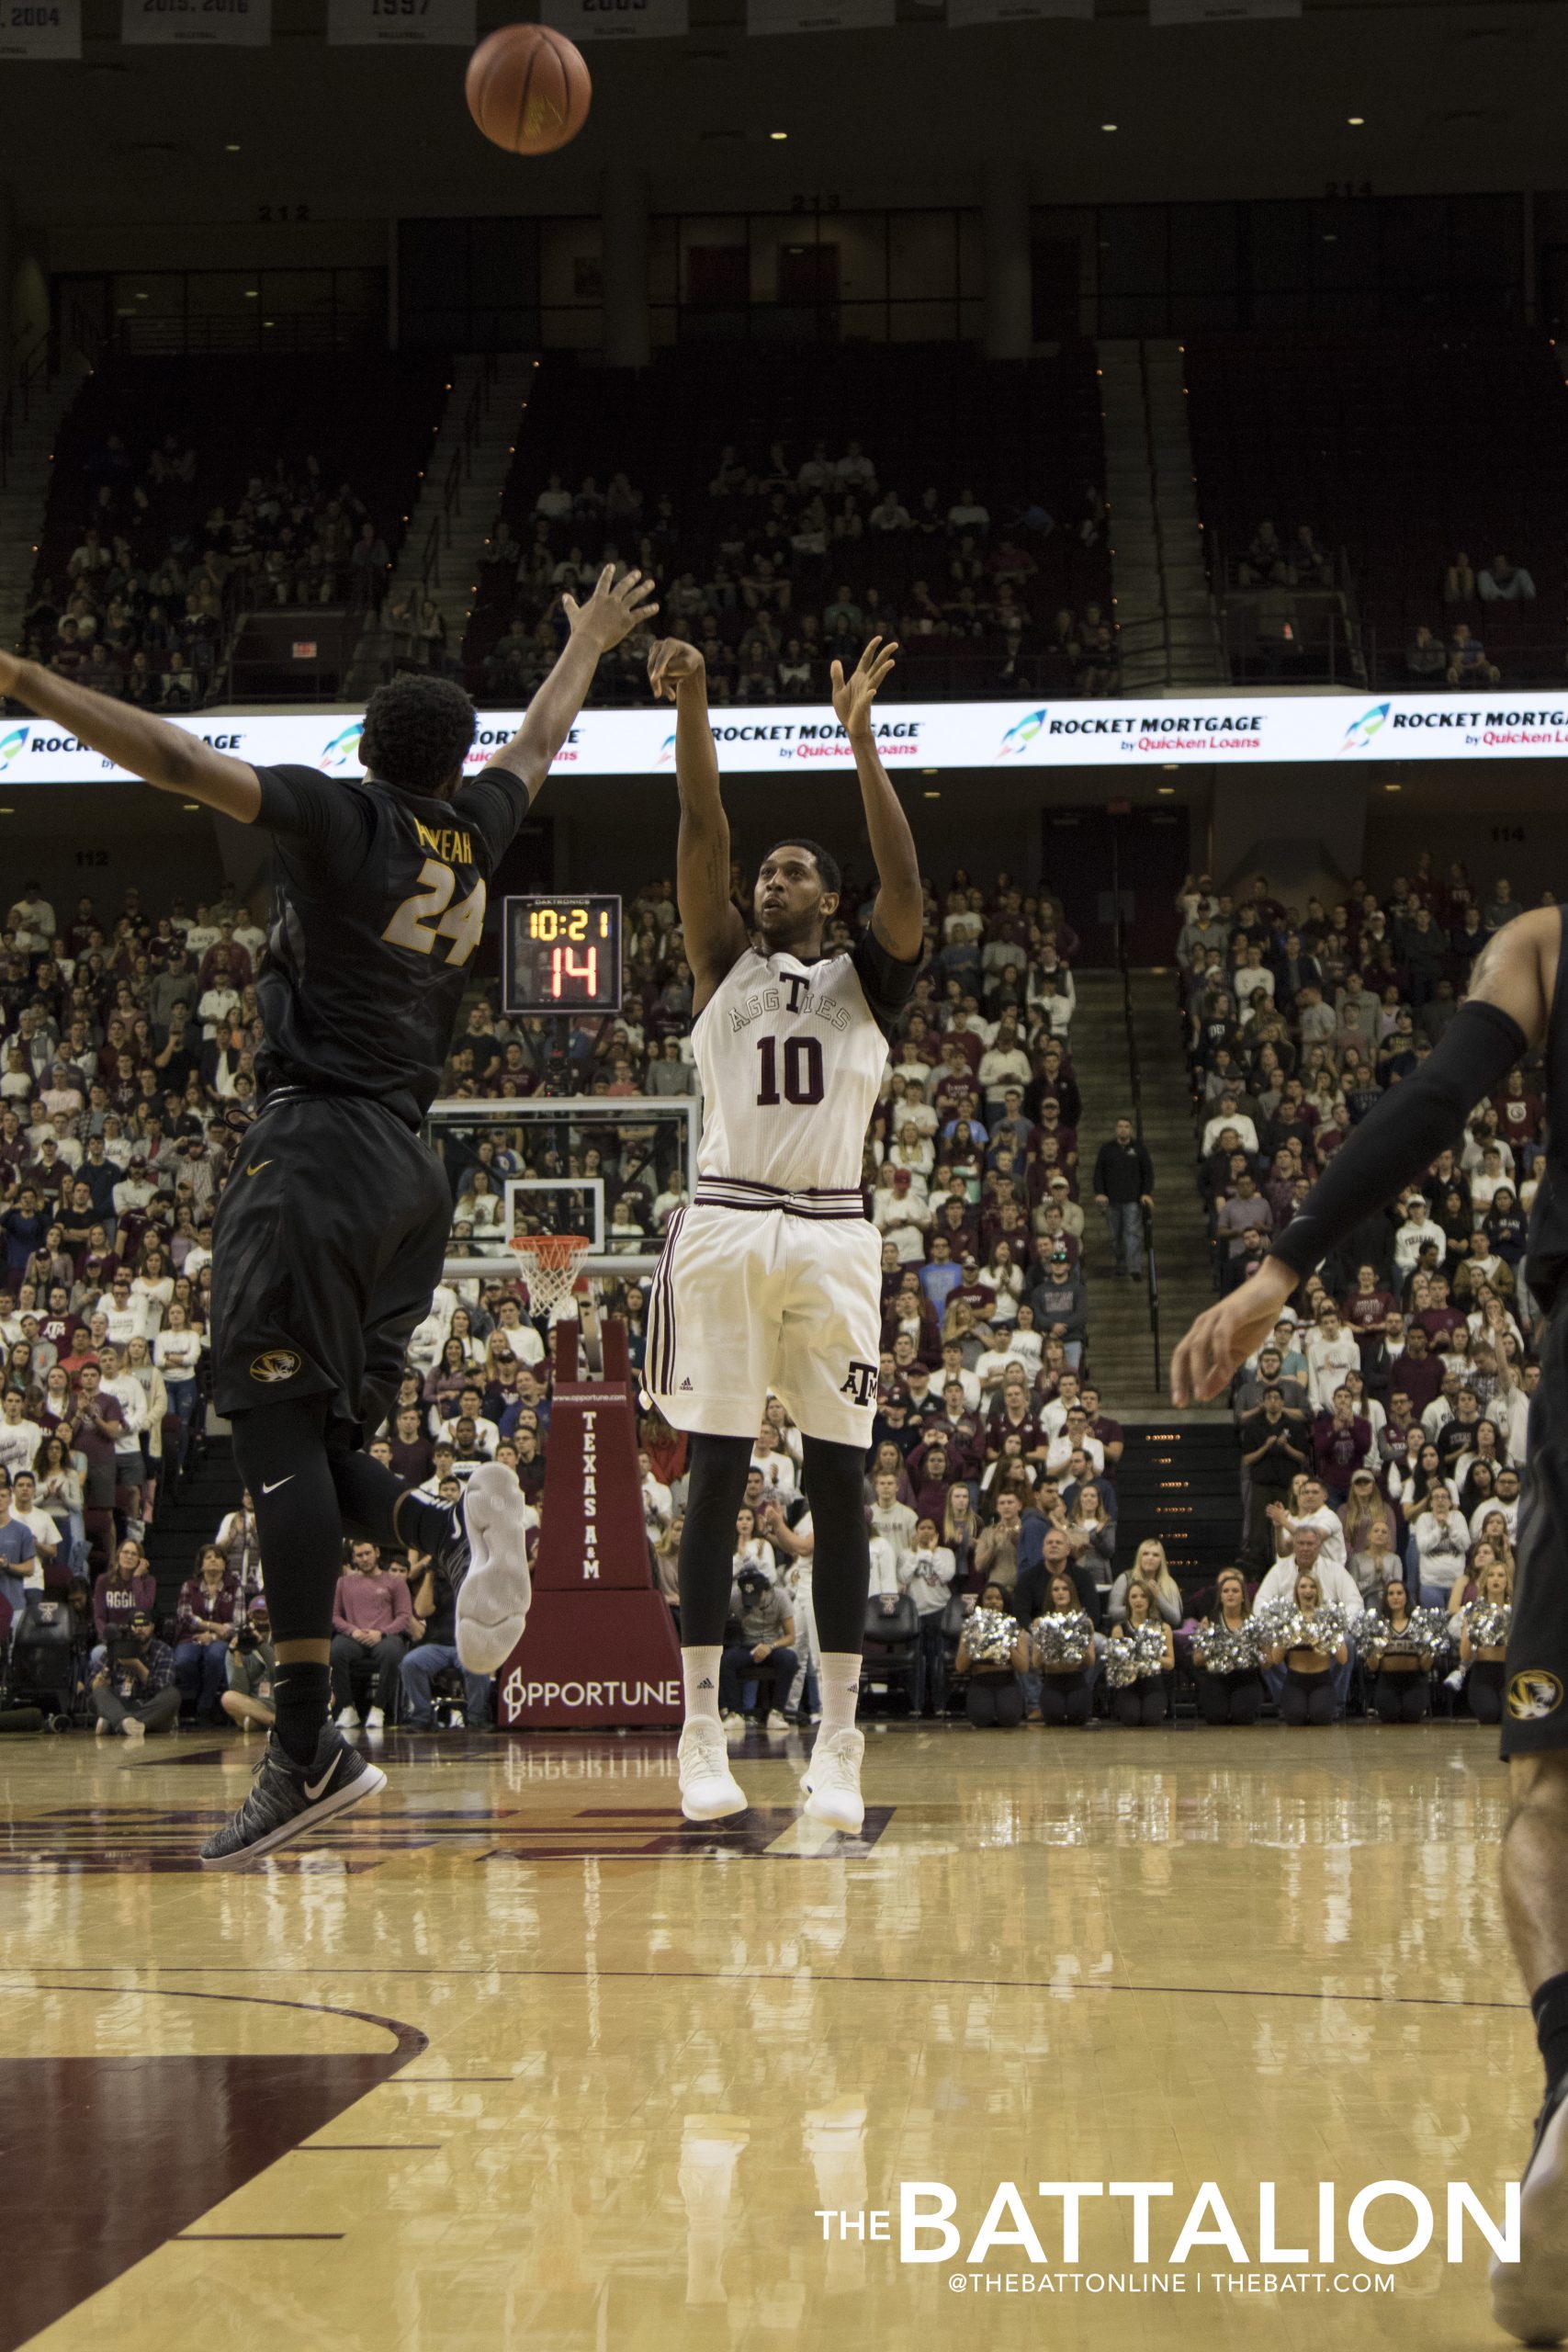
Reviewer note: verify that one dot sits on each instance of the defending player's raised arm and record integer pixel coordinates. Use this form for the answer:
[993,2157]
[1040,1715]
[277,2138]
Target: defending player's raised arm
[611,614]
[897,914]
[168,758]
[710,922]
[1505,1013]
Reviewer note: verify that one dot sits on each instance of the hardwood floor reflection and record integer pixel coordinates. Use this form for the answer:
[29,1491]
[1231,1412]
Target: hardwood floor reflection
[520,2056]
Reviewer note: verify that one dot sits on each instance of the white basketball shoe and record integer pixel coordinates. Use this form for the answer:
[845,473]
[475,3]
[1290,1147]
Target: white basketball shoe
[831,1782]
[496,1589]
[709,1788]
[1529,2296]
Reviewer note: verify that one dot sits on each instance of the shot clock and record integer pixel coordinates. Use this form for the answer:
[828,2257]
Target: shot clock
[563,955]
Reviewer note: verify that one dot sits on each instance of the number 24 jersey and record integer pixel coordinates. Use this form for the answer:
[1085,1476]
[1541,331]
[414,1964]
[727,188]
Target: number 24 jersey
[379,904]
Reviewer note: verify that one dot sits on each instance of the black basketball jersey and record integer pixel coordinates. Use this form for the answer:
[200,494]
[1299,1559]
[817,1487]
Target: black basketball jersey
[379,904]
[1546,1262]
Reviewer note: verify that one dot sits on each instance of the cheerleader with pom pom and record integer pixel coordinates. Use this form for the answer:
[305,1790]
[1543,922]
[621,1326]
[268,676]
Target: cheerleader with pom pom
[1226,1654]
[1399,1646]
[993,1654]
[1063,1655]
[1138,1657]
[1309,1642]
[1483,1643]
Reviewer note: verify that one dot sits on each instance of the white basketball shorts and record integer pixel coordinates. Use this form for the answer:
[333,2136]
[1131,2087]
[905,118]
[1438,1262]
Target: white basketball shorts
[751,1299]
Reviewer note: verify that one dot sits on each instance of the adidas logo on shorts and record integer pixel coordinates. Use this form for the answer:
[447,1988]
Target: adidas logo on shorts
[685,1386]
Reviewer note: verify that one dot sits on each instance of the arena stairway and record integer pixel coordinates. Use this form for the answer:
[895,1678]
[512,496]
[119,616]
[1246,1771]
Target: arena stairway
[191,1517]
[1122,1350]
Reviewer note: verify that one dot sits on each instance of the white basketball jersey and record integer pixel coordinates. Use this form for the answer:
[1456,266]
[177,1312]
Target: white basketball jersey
[791,1061]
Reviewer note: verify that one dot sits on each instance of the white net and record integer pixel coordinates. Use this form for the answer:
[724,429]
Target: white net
[551,1263]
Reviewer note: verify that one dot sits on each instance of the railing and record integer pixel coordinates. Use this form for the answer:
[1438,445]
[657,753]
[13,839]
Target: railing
[1135,1072]
[459,469]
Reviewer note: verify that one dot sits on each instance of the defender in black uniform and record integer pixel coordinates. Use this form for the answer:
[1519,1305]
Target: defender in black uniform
[1518,1000]
[329,1238]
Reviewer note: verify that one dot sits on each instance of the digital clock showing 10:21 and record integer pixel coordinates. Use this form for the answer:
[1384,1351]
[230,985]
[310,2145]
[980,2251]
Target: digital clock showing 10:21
[563,955]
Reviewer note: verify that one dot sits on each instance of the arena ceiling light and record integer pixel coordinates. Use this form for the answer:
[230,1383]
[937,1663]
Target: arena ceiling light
[778,134]
[1109,125]
[1356,121]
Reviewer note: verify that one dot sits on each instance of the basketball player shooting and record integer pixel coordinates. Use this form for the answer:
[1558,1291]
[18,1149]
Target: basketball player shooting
[1518,1000]
[771,1280]
[329,1239]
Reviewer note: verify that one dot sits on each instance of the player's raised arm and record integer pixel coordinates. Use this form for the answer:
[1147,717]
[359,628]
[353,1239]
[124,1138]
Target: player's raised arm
[898,913]
[1505,1013]
[167,757]
[711,922]
[615,609]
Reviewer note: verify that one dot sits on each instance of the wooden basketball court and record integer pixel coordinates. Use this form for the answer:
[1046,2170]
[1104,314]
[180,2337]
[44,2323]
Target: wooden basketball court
[520,2058]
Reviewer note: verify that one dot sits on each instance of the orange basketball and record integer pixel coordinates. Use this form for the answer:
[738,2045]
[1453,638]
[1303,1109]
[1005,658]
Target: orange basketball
[528,89]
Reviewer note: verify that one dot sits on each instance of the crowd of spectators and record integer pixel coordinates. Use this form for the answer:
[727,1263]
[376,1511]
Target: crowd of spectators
[158,576]
[788,562]
[1458,658]
[1382,1435]
[1383,1426]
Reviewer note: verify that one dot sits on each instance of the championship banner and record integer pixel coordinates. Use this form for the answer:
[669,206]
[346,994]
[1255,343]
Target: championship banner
[962,14]
[1218,12]
[40,28]
[196,24]
[584,20]
[369,24]
[1337,730]
[820,16]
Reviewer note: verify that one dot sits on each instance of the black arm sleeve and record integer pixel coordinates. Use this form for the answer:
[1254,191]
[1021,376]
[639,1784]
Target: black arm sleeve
[889,983]
[1400,1137]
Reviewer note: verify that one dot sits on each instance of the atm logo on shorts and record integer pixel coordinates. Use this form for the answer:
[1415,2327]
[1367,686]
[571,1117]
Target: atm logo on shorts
[1534,1695]
[273,1365]
[861,1386]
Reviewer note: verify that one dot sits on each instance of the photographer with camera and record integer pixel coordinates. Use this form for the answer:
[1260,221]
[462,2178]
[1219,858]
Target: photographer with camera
[251,1668]
[134,1692]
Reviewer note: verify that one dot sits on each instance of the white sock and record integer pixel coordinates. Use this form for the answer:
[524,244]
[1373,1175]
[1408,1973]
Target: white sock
[838,1676]
[699,1674]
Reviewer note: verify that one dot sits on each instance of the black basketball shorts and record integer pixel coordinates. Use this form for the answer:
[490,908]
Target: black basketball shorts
[327,1246]
[1534,1692]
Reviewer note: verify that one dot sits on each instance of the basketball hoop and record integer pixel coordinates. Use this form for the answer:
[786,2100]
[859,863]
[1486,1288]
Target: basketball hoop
[554,1262]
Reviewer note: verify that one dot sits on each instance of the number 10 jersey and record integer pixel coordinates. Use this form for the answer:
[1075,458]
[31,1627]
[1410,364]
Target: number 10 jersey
[790,1058]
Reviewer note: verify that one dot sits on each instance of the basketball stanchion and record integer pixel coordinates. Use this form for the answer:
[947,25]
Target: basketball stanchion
[600,1651]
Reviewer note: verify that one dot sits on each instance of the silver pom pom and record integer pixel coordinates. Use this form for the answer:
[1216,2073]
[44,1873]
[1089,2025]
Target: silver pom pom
[991,1636]
[1065,1638]
[1487,1623]
[1220,1649]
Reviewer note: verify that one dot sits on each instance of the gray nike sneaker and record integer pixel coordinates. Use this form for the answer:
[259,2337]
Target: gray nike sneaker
[287,1799]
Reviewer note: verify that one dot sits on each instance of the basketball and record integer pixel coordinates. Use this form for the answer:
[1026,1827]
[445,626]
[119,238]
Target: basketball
[528,89]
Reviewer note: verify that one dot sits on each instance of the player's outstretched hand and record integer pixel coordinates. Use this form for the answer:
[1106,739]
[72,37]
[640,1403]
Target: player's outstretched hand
[1228,1334]
[670,660]
[614,610]
[10,671]
[853,696]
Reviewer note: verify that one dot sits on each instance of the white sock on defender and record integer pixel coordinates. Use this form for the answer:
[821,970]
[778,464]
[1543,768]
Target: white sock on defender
[838,1672]
[699,1675]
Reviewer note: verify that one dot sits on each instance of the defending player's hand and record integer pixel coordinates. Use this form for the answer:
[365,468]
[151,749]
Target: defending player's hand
[614,610]
[853,696]
[1228,1334]
[670,660]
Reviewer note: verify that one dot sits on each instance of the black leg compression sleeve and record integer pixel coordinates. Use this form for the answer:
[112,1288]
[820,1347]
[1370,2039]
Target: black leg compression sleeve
[368,1495]
[281,1451]
[714,1487]
[834,1477]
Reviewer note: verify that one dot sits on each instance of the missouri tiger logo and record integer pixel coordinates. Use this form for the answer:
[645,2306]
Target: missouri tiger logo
[1533,1695]
[275,1364]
